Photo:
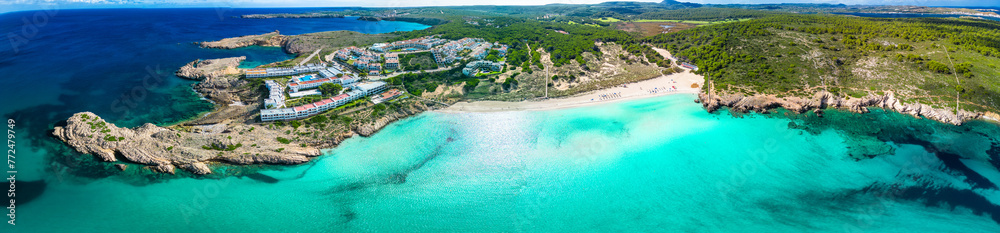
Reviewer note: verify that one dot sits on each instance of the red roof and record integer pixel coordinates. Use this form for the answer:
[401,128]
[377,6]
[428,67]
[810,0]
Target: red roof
[300,108]
[339,97]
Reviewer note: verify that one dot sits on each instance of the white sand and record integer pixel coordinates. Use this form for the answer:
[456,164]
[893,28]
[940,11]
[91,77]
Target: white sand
[682,81]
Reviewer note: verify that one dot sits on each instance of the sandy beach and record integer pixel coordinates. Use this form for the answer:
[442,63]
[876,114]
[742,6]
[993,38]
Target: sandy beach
[684,82]
[679,83]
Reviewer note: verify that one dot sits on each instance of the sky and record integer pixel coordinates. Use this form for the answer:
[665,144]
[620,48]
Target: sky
[19,5]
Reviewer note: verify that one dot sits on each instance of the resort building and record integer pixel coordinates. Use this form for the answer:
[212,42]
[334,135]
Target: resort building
[308,82]
[274,72]
[391,61]
[303,111]
[345,54]
[422,43]
[342,55]
[330,72]
[386,96]
[448,53]
[276,95]
[361,65]
[501,48]
[474,67]
[277,114]
[369,88]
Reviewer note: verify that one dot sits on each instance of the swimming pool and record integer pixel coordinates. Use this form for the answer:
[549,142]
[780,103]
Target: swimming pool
[306,78]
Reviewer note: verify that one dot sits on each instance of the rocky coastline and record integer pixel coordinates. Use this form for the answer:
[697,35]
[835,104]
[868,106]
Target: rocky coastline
[163,150]
[231,134]
[210,68]
[196,148]
[823,99]
[271,39]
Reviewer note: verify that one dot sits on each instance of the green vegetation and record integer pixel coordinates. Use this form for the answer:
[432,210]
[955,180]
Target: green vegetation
[705,15]
[330,89]
[417,61]
[850,56]
[282,140]
[113,138]
[307,43]
[220,147]
[520,34]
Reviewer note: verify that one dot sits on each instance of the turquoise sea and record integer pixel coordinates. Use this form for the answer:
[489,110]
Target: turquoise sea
[653,165]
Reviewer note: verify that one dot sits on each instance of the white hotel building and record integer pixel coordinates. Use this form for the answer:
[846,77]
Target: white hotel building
[346,81]
[274,72]
[361,90]
[276,95]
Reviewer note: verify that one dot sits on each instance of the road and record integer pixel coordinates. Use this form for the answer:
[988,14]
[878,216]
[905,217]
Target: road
[303,62]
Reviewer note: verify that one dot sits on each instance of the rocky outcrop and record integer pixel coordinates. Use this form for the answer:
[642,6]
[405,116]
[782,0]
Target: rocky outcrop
[272,39]
[368,128]
[210,68]
[163,150]
[763,103]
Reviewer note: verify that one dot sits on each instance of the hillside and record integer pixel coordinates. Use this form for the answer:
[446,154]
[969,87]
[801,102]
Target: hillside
[936,61]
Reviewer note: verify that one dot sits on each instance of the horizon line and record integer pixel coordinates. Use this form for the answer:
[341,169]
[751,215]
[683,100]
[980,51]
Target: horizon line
[201,6]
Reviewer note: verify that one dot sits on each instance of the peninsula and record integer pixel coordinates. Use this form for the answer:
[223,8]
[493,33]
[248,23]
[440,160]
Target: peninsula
[344,83]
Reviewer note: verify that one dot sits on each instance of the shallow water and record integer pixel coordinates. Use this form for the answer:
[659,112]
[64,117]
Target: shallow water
[651,165]
[659,164]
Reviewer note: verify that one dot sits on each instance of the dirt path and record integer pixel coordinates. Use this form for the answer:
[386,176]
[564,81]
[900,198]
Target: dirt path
[303,62]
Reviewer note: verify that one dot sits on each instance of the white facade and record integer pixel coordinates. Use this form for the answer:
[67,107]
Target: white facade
[475,66]
[274,72]
[276,95]
[361,90]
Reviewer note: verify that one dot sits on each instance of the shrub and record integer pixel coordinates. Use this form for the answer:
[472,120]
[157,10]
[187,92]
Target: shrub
[938,67]
[319,119]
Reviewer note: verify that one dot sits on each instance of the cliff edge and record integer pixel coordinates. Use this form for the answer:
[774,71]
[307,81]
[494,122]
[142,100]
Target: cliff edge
[823,99]
[271,39]
[163,150]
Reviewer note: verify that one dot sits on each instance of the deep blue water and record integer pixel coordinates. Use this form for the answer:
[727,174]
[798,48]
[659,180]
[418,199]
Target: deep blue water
[119,63]
[660,164]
